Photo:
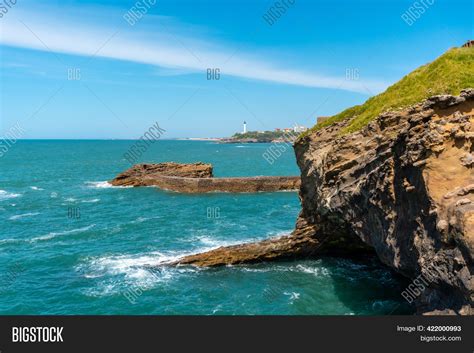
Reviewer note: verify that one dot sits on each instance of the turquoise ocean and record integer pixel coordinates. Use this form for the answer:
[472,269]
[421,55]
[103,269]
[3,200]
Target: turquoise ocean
[72,244]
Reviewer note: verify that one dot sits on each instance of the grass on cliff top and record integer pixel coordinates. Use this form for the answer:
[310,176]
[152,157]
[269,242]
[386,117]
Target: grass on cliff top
[448,74]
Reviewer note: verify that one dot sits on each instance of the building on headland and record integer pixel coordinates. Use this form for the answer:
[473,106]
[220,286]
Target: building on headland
[468,44]
[295,129]
[299,128]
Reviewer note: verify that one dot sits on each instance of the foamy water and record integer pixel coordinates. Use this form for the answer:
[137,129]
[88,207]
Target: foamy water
[87,245]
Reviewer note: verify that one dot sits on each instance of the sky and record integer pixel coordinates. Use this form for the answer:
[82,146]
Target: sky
[94,70]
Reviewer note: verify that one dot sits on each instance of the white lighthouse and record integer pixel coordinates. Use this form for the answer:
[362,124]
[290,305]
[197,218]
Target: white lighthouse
[245,127]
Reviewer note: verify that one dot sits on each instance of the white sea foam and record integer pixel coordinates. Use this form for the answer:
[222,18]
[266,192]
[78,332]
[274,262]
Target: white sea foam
[212,243]
[293,296]
[4,195]
[99,184]
[10,240]
[36,188]
[56,234]
[316,271]
[103,185]
[70,199]
[91,201]
[129,265]
[134,270]
[143,219]
[12,218]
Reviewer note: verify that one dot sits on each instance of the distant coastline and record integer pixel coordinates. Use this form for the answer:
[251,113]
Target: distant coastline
[199,139]
[279,136]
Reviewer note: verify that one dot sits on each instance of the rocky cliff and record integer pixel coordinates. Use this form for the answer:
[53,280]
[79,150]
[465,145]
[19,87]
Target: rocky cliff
[402,186]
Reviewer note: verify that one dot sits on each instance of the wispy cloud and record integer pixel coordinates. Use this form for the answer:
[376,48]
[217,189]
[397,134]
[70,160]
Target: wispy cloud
[164,48]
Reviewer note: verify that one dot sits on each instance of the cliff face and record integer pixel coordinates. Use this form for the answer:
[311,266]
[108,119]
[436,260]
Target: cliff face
[404,186]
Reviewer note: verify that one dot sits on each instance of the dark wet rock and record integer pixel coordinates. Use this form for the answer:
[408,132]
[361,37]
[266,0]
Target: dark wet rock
[400,186]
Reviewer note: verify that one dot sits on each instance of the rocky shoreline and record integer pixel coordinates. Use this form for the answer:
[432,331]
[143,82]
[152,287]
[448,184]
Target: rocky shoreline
[402,187]
[198,178]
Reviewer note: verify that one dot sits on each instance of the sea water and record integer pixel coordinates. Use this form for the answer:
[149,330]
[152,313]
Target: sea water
[72,244]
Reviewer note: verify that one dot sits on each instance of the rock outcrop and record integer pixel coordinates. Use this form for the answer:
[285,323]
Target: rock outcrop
[144,174]
[402,186]
[198,178]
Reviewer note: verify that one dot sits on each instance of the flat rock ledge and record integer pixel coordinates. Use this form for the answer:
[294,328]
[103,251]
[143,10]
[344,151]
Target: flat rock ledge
[401,187]
[198,178]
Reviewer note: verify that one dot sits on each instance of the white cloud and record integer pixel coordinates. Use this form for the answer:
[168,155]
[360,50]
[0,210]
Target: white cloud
[162,48]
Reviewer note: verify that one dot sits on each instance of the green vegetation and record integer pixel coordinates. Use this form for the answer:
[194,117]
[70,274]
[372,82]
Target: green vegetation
[448,74]
[264,136]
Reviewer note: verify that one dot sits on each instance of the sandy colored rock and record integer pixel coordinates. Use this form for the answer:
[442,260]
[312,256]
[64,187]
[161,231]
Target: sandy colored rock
[142,174]
[198,178]
[399,186]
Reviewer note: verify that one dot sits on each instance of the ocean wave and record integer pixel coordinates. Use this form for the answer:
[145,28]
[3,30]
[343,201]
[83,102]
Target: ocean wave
[91,201]
[211,243]
[56,234]
[119,273]
[143,219]
[99,184]
[70,199]
[36,188]
[9,240]
[133,266]
[318,271]
[103,185]
[4,195]
[12,218]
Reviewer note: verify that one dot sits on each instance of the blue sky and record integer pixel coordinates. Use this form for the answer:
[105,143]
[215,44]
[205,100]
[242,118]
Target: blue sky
[270,75]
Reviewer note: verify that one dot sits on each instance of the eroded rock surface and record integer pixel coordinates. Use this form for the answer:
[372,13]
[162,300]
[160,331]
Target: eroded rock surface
[403,186]
[143,174]
[198,178]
